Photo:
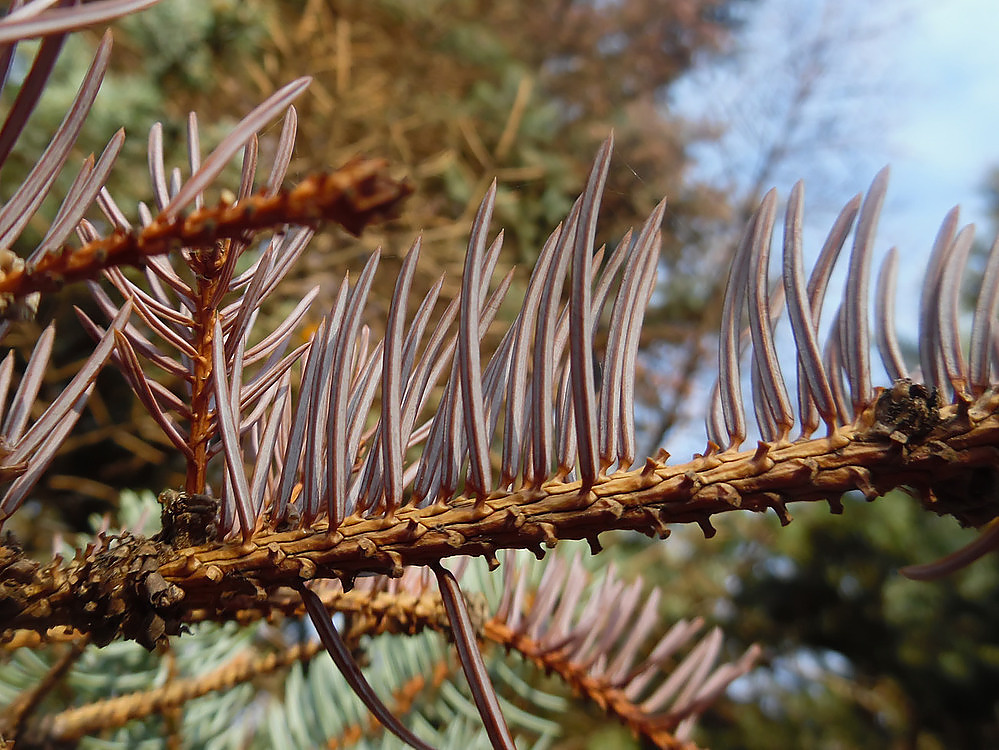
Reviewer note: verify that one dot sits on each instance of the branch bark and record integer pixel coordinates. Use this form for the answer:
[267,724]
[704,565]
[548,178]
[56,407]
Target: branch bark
[144,590]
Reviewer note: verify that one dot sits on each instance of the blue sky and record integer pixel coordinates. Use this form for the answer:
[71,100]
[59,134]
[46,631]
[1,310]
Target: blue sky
[912,83]
[947,130]
[909,83]
[941,131]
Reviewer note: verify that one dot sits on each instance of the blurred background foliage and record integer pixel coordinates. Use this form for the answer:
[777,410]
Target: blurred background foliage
[856,655]
[454,93]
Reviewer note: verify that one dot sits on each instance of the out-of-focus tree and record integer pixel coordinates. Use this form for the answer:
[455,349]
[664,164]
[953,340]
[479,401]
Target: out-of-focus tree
[453,94]
[857,655]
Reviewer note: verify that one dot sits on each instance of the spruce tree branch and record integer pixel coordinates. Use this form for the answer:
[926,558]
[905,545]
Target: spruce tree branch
[172,715]
[353,196]
[144,590]
[74,723]
[483,692]
[346,662]
[371,612]
[16,639]
[402,702]
[17,714]
[611,700]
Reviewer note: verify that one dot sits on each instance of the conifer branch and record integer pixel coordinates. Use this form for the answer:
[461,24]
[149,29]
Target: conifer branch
[341,490]
[19,713]
[74,723]
[950,465]
[593,634]
[357,194]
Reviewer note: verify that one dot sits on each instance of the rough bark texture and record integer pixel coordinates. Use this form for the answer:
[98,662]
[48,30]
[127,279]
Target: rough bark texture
[145,590]
[357,194]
